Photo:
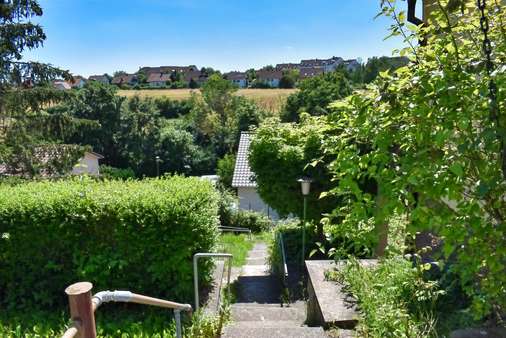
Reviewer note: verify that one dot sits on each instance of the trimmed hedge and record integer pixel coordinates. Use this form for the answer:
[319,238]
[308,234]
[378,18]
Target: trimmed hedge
[134,235]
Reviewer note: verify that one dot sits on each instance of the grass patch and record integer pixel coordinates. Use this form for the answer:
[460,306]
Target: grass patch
[240,244]
[237,245]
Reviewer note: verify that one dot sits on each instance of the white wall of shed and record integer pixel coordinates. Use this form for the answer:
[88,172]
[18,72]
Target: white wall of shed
[250,200]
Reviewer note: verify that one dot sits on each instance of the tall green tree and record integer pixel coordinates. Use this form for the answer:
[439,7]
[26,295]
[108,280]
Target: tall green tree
[315,95]
[25,89]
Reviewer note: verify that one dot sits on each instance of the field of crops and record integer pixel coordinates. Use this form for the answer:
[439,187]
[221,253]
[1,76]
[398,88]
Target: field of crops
[269,99]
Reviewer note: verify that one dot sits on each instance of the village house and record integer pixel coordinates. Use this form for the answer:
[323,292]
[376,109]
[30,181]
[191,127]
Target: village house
[77,82]
[157,80]
[243,181]
[195,75]
[269,77]
[237,78]
[328,65]
[125,79]
[351,65]
[100,78]
[167,69]
[307,72]
[287,66]
[88,164]
[61,85]
[53,156]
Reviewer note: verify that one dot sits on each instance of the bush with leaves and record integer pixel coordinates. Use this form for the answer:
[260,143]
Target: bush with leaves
[138,235]
[225,170]
[394,299]
[315,94]
[430,128]
[111,173]
[280,154]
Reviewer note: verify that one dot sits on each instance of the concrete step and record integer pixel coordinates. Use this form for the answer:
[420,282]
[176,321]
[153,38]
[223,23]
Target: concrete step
[261,332]
[261,314]
[268,324]
[256,261]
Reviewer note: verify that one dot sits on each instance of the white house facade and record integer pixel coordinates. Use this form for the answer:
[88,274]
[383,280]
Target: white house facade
[88,165]
[249,199]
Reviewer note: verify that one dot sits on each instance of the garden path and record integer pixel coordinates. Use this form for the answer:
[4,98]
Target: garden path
[258,312]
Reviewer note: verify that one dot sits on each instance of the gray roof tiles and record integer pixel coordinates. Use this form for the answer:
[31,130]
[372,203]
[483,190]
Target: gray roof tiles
[243,176]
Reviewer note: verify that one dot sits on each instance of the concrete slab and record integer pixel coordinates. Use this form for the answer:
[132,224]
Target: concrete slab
[255,270]
[328,304]
[284,332]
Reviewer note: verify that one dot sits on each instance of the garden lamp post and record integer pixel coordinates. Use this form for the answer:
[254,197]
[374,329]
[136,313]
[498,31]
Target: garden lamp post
[157,159]
[305,184]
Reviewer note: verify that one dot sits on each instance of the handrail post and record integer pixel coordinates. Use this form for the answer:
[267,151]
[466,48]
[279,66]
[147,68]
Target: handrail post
[177,317]
[81,309]
[196,271]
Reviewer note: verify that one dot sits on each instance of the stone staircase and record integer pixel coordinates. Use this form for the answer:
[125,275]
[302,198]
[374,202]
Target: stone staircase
[258,312]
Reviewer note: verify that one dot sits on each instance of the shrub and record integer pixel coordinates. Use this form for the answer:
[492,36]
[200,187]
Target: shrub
[137,235]
[394,299]
[315,95]
[225,170]
[230,216]
[254,221]
[112,173]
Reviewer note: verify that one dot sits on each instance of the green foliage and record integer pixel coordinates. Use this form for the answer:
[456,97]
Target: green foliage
[252,220]
[225,170]
[289,78]
[375,66]
[315,94]
[139,235]
[219,116]
[393,298]
[279,156]
[25,89]
[428,128]
[96,102]
[170,109]
[111,173]
[257,84]
[230,216]
[237,245]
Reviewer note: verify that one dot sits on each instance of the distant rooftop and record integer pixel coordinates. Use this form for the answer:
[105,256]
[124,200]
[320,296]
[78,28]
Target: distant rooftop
[242,172]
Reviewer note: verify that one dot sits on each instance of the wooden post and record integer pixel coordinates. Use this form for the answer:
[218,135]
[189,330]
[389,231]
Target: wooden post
[81,310]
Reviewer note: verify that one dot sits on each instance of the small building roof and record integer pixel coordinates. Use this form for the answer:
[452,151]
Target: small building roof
[243,176]
[103,78]
[237,76]
[62,85]
[124,79]
[158,77]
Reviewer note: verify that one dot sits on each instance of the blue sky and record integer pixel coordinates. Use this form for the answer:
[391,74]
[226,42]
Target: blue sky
[98,36]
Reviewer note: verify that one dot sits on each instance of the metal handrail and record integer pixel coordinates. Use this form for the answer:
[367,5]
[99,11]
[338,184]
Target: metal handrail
[283,256]
[125,297]
[235,229]
[196,258]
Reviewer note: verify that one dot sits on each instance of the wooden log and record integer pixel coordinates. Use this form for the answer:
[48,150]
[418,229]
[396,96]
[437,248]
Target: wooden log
[81,309]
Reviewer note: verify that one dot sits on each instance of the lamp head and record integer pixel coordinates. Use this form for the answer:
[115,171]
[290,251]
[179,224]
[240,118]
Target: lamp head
[305,184]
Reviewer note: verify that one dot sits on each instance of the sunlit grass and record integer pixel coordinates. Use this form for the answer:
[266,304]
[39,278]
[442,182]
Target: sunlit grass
[269,99]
